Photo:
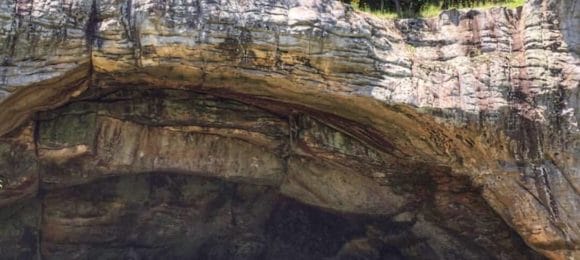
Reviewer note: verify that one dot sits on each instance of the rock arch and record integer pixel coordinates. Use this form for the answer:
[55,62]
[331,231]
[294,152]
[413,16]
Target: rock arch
[318,103]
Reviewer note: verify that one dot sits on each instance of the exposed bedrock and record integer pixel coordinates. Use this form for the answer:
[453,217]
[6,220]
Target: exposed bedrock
[287,129]
[146,173]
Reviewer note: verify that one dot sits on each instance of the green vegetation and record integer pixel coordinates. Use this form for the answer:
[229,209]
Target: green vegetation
[390,9]
[385,14]
[430,10]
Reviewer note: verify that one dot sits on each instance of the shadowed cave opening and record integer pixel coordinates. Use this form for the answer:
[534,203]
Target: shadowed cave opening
[145,173]
[162,214]
[216,220]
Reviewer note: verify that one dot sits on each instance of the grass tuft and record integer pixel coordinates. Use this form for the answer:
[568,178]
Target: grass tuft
[509,4]
[430,10]
[380,14]
[433,10]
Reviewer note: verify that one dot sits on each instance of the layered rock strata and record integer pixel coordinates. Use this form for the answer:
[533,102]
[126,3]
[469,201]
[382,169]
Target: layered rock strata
[149,173]
[450,129]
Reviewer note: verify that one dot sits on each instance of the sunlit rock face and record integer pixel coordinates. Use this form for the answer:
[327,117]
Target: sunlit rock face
[286,130]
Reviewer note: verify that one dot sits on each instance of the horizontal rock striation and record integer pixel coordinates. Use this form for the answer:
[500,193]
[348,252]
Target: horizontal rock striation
[150,173]
[441,122]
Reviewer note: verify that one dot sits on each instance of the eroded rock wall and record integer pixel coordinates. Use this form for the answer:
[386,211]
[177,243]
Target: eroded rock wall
[487,98]
[153,173]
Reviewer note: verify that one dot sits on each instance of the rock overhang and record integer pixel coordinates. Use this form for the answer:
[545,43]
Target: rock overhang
[293,67]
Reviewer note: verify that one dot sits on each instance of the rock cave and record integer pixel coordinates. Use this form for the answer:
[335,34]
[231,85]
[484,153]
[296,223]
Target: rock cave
[294,129]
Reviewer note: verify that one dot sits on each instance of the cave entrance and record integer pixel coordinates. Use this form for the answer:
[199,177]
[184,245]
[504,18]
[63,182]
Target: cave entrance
[145,172]
[161,215]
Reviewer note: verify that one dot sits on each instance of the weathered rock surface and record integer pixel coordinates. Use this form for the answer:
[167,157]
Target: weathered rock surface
[287,129]
[152,173]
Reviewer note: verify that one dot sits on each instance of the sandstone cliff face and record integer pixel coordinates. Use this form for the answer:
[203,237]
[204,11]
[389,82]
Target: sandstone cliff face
[285,129]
